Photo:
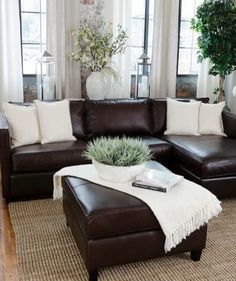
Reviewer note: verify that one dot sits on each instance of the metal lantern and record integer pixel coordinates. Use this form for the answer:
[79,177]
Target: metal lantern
[46,89]
[143,77]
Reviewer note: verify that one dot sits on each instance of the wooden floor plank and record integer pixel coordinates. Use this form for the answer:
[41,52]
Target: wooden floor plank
[8,265]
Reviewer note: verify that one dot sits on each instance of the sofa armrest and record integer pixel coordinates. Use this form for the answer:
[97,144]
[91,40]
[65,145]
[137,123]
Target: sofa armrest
[229,122]
[5,155]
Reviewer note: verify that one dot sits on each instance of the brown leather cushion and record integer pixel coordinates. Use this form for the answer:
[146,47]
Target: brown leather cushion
[78,119]
[205,156]
[161,150]
[118,117]
[103,212]
[229,121]
[48,157]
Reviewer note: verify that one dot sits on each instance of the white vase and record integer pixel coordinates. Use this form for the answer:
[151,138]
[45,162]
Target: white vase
[117,174]
[97,85]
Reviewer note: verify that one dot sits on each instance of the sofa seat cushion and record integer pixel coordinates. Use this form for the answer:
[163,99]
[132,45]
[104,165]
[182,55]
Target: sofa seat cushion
[205,156]
[48,157]
[103,212]
[161,150]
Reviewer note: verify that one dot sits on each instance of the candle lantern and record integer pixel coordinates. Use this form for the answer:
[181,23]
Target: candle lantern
[143,77]
[46,89]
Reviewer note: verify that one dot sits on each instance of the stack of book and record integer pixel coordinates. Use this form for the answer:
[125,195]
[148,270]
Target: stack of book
[157,180]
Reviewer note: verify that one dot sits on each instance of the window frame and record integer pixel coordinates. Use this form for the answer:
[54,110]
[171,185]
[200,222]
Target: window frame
[41,44]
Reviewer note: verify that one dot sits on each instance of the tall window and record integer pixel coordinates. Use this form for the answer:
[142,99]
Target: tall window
[142,29]
[187,60]
[33,32]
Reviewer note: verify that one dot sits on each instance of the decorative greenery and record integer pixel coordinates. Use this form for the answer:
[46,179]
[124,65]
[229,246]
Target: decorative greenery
[96,45]
[215,20]
[123,151]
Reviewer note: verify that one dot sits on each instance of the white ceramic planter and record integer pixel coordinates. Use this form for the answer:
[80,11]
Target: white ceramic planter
[97,86]
[118,174]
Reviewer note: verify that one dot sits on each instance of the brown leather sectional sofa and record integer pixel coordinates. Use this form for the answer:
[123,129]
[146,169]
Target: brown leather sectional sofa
[27,171]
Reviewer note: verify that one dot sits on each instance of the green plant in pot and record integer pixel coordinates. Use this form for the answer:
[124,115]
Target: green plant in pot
[118,159]
[215,21]
[96,44]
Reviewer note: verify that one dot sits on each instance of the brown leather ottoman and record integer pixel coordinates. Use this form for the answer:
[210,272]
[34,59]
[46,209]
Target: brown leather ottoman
[111,227]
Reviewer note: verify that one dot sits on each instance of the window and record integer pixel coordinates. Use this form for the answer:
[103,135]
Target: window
[142,29]
[33,32]
[187,58]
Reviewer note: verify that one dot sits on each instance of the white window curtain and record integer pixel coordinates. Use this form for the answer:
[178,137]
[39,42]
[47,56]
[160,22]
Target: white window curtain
[11,79]
[208,83]
[62,16]
[119,12]
[165,48]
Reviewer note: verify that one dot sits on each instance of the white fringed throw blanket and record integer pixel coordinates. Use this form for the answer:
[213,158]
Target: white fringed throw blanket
[180,211]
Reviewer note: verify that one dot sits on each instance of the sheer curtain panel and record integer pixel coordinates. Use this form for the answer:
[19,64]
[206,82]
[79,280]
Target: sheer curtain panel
[208,83]
[62,16]
[11,79]
[119,12]
[165,48]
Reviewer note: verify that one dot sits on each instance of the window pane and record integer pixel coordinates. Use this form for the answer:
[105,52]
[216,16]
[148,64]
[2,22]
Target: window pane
[150,33]
[135,54]
[195,64]
[184,61]
[30,5]
[137,34]
[30,28]
[187,11]
[186,34]
[30,54]
[138,9]
[43,6]
[150,53]
[151,10]
[43,21]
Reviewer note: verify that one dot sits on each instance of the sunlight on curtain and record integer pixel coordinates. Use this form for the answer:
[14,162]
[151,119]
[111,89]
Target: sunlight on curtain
[165,46]
[11,80]
[62,16]
[119,12]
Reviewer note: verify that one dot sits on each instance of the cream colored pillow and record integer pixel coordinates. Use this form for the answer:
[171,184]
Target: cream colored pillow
[54,121]
[23,124]
[182,118]
[210,119]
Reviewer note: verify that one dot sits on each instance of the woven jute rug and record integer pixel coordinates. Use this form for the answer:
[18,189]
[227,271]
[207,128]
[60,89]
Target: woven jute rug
[46,250]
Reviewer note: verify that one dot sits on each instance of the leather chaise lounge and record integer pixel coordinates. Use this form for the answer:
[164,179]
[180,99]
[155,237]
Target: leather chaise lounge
[27,171]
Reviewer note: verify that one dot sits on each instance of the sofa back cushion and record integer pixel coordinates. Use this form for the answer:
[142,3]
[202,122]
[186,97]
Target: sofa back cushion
[78,119]
[159,109]
[229,122]
[118,117]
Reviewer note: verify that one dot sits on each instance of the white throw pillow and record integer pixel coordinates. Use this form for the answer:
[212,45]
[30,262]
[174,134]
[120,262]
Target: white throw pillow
[23,124]
[182,118]
[210,119]
[54,121]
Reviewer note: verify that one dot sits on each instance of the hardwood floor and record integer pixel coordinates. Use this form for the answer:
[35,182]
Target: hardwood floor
[8,269]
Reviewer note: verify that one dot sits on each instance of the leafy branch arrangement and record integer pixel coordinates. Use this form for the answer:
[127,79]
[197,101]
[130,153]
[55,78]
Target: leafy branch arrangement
[96,45]
[116,151]
[215,21]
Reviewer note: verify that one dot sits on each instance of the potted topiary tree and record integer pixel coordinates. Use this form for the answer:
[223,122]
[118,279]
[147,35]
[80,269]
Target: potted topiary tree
[215,21]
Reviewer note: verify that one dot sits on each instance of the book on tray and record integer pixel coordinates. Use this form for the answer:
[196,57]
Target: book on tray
[157,180]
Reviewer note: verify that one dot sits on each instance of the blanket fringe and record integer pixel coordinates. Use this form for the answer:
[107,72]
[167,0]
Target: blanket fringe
[207,212]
